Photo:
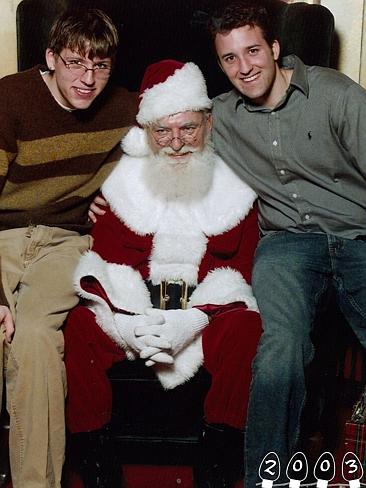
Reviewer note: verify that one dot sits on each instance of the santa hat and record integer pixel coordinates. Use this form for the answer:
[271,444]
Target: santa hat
[168,87]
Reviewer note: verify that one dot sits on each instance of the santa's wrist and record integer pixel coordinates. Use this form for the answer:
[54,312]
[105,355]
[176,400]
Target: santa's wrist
[198,319]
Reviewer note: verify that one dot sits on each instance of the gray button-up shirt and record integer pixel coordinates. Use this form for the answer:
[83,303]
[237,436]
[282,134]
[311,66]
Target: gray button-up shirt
[306,158]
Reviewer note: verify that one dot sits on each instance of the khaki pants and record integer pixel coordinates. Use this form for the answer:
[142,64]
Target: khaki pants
[37,265]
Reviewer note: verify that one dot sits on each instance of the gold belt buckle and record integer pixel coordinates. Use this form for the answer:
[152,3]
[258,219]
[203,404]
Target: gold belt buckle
[184,298]
[164,297]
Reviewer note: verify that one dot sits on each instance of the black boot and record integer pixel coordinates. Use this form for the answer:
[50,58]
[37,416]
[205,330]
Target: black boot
[221,459]
[93,456]
[4,448]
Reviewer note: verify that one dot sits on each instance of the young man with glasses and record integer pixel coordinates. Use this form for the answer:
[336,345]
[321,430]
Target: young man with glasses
[167,279]
[60,129]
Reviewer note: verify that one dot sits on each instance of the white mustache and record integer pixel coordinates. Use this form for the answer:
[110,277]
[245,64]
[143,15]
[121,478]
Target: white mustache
[168,150]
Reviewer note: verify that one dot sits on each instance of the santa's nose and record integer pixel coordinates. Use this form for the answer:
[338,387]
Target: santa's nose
[176,143]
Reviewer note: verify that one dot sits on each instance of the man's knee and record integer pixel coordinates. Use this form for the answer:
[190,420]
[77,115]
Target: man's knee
[280,361]
[35,335]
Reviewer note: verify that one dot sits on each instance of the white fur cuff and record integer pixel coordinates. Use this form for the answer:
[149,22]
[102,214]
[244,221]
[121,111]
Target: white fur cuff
[124,286]
[221,287]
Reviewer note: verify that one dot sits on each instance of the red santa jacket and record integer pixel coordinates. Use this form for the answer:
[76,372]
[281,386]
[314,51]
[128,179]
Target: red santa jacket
[208,243]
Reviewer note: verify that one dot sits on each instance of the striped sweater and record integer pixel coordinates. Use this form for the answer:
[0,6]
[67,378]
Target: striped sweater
[52,161]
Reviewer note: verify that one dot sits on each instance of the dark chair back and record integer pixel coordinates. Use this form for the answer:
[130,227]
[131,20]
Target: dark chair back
[151,30]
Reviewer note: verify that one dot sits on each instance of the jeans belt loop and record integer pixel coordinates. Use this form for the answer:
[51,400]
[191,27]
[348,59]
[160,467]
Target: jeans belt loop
[30,230]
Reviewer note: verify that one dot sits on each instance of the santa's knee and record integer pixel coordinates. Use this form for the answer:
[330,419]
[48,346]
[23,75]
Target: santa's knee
[242,330]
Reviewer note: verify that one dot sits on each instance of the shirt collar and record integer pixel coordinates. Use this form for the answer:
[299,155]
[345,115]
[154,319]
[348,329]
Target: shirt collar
[299,80]
[299,77]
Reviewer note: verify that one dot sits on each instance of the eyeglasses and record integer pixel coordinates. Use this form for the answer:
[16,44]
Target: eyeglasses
[164,137]
[100,70]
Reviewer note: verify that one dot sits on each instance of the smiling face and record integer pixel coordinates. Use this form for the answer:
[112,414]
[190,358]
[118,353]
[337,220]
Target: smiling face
[250,63]
[178,136]
[74,90]
[181,159]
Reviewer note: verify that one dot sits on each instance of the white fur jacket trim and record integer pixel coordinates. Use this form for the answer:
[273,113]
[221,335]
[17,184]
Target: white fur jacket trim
[127,291]
[180,229]
[123,285]
[227,203]
[179,245]
[222,286]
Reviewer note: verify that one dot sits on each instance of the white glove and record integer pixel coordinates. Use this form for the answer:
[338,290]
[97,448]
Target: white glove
[159,357]
[180,328]
[126,326]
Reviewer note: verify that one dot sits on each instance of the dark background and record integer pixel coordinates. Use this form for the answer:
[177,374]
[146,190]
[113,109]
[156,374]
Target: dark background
[151,30]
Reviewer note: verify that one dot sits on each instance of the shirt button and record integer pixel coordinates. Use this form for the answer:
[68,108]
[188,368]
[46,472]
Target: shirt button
[275,143]
[294,195]
[336,180]
[282,172]
[307,216]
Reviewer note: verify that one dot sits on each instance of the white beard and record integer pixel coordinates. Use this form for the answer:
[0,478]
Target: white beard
[188,180]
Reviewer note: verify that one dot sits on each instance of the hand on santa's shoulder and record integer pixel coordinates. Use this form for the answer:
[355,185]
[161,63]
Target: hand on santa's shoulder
[96,208]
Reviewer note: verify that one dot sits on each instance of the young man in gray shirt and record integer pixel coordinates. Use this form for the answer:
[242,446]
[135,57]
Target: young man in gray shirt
[296,135]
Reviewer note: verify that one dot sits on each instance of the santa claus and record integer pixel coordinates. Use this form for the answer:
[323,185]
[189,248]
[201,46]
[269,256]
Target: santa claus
[168,278]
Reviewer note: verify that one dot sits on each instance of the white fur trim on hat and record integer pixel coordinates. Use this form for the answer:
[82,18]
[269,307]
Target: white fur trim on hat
[184,90]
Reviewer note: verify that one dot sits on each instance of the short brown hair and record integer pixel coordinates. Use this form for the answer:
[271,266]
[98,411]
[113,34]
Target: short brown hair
[84,31]
[241,13]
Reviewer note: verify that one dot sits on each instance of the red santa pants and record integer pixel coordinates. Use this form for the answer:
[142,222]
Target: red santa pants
[229,345]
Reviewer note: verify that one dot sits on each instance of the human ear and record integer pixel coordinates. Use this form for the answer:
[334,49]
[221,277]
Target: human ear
[209,120]
[50,59]
[276,49]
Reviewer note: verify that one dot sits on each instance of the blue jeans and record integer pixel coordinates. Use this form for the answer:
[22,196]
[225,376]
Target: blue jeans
[291,274]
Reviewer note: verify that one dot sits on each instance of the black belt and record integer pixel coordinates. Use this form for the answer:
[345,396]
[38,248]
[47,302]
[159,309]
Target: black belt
[170,294]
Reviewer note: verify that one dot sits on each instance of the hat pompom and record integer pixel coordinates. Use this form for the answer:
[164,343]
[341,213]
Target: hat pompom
[135,143]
